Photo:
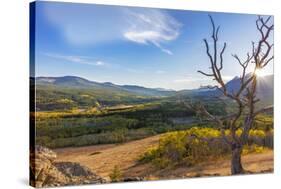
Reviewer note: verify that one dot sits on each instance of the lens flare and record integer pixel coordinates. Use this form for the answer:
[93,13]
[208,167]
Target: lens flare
[260,73]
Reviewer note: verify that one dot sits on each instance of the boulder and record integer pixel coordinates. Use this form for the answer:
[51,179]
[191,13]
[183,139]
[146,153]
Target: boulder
[42,171]
[78,174]
[45,172]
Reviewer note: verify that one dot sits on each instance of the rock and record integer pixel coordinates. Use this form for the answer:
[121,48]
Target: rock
[132,179]
[78,174]
[71,169]
[42,170]
[45,172]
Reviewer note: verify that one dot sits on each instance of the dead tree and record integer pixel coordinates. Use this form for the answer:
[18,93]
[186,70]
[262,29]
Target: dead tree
[245,97]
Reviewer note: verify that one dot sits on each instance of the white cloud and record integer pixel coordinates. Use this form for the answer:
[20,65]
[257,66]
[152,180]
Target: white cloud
[77,59]
[167,51]
[86,25]
[92,25]
[100,63]
[152,27]
[143,36]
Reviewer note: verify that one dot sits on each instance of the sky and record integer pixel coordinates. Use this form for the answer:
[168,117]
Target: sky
[156,48]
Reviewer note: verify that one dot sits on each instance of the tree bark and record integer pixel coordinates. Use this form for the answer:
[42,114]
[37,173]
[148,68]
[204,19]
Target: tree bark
[236,165]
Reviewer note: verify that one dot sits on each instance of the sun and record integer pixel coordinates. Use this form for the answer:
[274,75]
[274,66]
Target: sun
[260,73]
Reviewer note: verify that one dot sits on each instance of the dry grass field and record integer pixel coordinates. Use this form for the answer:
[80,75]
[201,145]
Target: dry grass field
[103,158]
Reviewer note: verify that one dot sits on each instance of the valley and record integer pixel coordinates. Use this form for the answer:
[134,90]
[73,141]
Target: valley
[131,132]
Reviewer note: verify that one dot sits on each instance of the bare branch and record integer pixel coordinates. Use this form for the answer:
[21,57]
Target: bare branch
[267,61]
[208,51]
[221,56]
[199,108]
[245,97]
[206,74]
[260,57]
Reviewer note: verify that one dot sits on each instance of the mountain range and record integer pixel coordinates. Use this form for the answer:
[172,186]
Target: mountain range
[264,86]
[81,83]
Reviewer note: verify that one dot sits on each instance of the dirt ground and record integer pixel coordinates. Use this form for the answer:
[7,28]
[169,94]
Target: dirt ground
[103,158]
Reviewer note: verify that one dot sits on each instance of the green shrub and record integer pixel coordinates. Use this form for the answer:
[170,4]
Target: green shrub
[116,174]
[253,149]
[197,145]
[149,155]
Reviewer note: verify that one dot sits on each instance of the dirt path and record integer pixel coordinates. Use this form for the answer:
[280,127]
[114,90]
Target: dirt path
[103,158]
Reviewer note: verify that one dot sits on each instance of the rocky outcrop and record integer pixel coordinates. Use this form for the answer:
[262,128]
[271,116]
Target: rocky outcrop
[45,172]
[78,174]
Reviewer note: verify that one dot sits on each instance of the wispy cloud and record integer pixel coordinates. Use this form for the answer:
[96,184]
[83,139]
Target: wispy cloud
[92,26]
[99,63]
[86,25]
[152,27]
[77,59]
[166,51]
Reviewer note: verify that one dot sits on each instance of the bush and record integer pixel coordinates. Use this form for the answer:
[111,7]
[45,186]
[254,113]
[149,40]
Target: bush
[116,174]
[198,144]
[149,155]
[253,149]
[188,146]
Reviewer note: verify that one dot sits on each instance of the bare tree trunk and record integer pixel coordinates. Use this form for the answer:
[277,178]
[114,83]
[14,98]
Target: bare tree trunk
[245,97]
[236,165]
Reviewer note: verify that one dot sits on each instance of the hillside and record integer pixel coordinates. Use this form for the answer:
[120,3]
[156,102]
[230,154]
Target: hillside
[103,158]
[264,89]
[264,86]
[49,97]
[81,83]
[68,92]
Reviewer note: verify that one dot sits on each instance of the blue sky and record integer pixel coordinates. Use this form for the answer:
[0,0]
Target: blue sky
[139,46]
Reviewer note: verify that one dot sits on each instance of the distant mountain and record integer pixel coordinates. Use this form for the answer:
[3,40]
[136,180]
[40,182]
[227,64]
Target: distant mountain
[264,88]
[66,81]
[55,93]
[75,82]
[162,89]
[81,83]
[147,91]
